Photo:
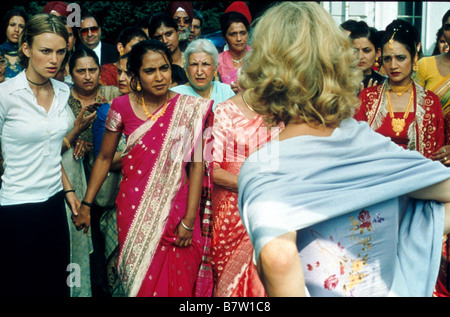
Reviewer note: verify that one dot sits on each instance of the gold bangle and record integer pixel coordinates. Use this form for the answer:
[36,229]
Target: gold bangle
[67,143]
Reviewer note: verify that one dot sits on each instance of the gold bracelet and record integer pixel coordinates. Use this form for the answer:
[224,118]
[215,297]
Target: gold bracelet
[67,143]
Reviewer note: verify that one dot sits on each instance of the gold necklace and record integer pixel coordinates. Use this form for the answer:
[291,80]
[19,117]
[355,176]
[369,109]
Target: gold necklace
[248,106]
[400,90]
[160,114]
[398,124]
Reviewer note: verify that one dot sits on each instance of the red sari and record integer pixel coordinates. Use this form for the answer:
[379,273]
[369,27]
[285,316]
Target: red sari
[424,130]
[235,137]
[153,199]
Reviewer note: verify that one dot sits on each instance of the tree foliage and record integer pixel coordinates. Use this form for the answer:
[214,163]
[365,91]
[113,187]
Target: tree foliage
[116,15]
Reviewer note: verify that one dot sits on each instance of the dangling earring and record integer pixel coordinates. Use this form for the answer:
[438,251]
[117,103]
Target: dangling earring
[415,67]
[376,64]
[138,86]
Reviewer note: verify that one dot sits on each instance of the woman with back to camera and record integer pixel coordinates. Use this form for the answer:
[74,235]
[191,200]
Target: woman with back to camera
[401,109]
[161,189]
[14,22]
[33,122]
[351,221]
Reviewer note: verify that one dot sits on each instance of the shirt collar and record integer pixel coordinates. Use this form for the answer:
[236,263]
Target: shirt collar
[22,83]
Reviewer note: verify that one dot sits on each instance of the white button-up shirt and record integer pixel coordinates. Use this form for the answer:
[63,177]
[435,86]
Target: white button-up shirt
[31,141]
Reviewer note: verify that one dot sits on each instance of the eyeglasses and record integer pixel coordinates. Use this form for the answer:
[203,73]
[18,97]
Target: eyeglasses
[85,31]
[446,27]
[185,20]
[2,62]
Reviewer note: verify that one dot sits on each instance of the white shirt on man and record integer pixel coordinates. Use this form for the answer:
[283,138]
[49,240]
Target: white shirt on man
[31,141]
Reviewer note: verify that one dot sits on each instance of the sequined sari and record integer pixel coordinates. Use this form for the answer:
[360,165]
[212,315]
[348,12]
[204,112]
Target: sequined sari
[153,199]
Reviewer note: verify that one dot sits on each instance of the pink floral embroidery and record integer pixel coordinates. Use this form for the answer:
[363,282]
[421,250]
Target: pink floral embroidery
[331,282]
[364,218]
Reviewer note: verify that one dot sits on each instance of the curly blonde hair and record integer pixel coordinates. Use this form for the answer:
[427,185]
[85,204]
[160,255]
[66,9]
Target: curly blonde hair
[301,68]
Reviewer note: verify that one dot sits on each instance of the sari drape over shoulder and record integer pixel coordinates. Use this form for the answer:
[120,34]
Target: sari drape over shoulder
[424,131]
[153,199]
[429,77]
[235,137]
[341,193]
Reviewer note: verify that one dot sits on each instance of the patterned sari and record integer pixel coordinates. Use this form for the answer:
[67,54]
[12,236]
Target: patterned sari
[153,199]
[424,130]
[235,137]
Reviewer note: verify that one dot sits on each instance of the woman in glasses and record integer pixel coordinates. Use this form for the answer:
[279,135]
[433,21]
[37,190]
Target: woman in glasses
[90,33]
[14,22]
[160,216]
[33,123]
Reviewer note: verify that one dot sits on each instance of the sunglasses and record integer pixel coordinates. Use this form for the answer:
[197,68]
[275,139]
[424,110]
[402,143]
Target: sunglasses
[85,31]
[446,27]
[184,20]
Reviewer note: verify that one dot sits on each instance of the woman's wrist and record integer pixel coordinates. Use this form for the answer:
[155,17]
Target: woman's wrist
[86,203]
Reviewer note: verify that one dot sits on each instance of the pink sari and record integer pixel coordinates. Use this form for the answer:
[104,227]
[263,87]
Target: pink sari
[235,137]
[153,199]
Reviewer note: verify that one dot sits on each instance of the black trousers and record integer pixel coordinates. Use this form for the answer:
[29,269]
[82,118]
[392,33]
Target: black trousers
[35,249]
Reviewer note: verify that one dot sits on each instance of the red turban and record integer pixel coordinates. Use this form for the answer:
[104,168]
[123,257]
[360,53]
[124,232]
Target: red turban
[56,6]
[185,5]
[240,7]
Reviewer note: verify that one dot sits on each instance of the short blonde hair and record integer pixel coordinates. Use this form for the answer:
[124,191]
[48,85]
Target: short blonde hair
[301,68]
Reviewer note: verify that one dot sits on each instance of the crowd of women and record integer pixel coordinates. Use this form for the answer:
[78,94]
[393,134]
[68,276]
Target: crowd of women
[124,175]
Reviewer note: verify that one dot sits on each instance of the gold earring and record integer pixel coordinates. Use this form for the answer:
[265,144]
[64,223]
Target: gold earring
[138,86]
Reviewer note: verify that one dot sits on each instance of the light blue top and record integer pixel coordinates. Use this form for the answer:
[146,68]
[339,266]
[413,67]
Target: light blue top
[220,92]
[358,234]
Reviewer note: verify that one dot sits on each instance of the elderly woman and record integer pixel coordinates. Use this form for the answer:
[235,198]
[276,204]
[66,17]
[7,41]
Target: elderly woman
[341,210]
[201,66]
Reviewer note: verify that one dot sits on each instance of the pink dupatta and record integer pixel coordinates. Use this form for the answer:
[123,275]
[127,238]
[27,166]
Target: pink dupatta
[152,200]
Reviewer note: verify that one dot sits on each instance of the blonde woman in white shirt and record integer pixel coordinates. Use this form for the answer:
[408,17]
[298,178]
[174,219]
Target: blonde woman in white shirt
[33,122]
